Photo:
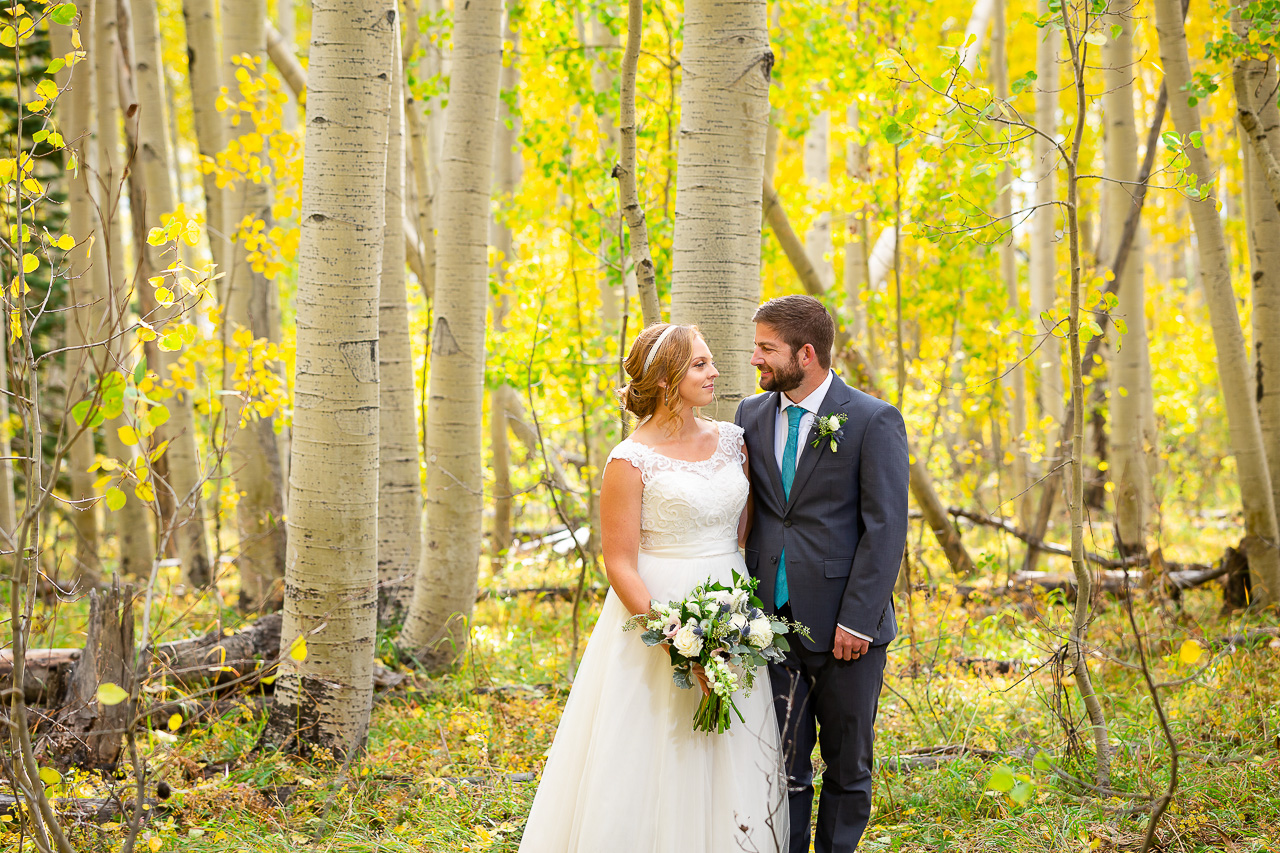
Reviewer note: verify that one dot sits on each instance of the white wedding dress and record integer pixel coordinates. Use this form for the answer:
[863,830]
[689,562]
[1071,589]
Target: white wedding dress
[627,773]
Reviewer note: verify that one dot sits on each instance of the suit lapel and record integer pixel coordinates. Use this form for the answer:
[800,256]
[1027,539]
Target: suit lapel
[837,396]
[767,427]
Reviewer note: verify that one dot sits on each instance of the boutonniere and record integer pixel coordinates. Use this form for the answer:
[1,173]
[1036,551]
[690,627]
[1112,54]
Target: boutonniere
[830,428]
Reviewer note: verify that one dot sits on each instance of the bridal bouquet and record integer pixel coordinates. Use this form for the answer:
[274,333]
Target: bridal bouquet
[726,631]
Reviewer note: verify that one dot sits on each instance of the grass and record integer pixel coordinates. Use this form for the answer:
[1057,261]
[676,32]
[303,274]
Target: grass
[436,773]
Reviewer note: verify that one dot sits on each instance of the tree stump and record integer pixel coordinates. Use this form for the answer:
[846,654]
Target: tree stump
[87,733]
[1236,587]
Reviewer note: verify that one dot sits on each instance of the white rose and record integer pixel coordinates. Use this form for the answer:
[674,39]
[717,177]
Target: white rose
[761,633]
[687,643]
[833,423]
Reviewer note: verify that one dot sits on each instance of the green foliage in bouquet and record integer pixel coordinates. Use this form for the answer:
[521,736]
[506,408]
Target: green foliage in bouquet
[724,630]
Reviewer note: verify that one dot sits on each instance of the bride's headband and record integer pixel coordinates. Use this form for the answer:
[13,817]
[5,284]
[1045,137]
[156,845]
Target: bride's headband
[648,359]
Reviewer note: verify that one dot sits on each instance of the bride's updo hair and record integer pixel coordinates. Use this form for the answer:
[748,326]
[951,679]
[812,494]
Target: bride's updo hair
[660,356]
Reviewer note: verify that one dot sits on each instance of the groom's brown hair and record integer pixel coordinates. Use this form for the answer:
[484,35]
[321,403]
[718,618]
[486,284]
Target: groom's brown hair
[800,320]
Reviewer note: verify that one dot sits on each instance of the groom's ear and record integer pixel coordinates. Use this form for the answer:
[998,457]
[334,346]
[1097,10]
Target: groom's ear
[807,354]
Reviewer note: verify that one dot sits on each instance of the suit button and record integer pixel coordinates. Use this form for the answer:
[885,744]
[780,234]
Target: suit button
[773,560]
[786,522]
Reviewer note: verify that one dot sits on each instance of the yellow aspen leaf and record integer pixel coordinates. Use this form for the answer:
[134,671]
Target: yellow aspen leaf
[145,492]
[191,234]
[155,236]
[30,263]
[15,325]
[102,481]
[1189,653]
[164,296]
[111,694]
[175,722]
[107,463]
[66,242]
[145,331]
[31,185]
[37,105]
[9,37]
[157,452]
[47,89]
[8,169]
[49,776]
[154,843]
[115,498]
[157,416]
[298,651]
[128,435]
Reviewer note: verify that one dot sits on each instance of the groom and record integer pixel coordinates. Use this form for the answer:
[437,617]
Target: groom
[827,535]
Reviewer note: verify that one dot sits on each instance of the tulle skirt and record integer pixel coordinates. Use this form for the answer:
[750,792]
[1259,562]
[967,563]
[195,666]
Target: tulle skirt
[628,774]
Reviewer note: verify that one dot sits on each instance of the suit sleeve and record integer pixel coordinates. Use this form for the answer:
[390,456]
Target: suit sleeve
[884,472]
[737,415]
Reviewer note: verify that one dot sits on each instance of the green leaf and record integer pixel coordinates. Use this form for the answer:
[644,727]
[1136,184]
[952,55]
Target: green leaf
[49,776]
[80,411]
[56,66]
[157,416]
[1042,763]
[1171,140]
[894,133]
[1020,85]
[1002,779]
[140,372]
[1021,793]
[64,14]
[1197,138]
[1095,38]
[115,498]
[111,694]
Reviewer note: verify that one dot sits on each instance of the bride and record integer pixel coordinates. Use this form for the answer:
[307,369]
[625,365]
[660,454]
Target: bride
[627,773]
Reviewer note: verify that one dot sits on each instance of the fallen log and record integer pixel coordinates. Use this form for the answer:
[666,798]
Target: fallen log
[82,810]
[926,758]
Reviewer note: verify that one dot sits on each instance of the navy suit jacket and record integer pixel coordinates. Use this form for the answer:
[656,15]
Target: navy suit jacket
[845,525]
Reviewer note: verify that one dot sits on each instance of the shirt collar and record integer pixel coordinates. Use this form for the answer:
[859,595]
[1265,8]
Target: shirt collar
[811,403]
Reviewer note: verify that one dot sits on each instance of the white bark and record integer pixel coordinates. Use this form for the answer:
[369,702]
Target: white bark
[1015,379]
[332,563]
[75,110]
[976,30]
[817,175]
[253,456]
[204,63]
[444,592]
[1255,83]
[715,279]
[856,274]
[132,522]
[1043,263]
[1245,432]
[628,195]
[399,493]
[154,160]
[286,25]
[1128,456]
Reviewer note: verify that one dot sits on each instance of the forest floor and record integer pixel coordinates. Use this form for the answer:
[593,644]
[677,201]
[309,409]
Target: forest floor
[452,761]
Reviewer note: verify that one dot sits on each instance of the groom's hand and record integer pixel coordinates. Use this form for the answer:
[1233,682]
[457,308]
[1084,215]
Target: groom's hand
[849,647]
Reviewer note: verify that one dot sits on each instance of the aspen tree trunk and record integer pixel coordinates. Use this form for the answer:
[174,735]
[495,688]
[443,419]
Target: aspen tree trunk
[1075,651]
[132,522]
[1245,432]
[817,175]
[856,273]
[625,171]
[81,322]
[253,456]
[8,503]
[155,165]
[715,280]
[508,168]
[399,492]
[332,566]
[1043,263]
[445,590]
[286,25]
[1128,454]
[976,30]
[1255,84]
[424,121]
[603,82]
[1015,380]
[204,65]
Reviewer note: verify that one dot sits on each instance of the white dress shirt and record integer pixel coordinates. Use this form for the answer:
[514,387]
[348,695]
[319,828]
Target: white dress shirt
[811,405]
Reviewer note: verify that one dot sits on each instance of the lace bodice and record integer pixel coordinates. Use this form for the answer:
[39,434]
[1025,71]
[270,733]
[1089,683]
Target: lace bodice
[689,503]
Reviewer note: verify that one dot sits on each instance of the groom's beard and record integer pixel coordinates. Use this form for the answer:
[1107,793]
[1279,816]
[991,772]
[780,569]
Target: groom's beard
[786,378]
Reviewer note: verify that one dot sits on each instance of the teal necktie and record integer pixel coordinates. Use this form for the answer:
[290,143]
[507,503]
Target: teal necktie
[794,414]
